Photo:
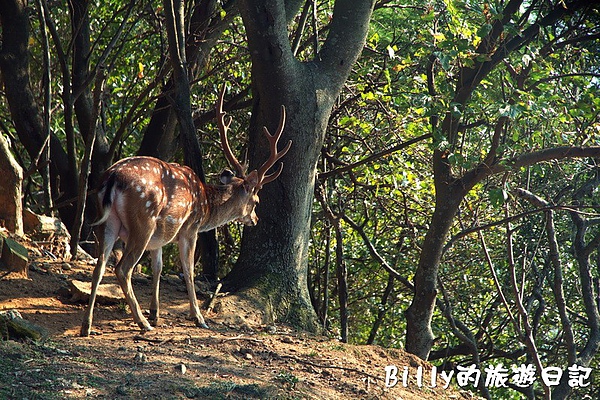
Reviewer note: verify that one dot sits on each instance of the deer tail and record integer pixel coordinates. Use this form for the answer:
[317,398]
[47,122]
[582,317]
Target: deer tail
[106,191]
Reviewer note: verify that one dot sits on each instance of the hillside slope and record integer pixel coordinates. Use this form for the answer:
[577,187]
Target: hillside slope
[239,357]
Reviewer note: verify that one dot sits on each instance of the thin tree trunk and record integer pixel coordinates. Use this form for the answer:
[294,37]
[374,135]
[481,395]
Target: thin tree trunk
[419,336]
[326,268]
[48,203]
[206,26]
[583,251]
[183,109]
[382,310]
[159,138]
[86,163]
[82,80]
[342,280]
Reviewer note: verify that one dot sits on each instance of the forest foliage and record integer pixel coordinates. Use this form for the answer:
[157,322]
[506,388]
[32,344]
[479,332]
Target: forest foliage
[518,279]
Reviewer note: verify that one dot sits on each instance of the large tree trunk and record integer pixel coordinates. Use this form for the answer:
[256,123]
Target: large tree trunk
[274,253]
[273,259]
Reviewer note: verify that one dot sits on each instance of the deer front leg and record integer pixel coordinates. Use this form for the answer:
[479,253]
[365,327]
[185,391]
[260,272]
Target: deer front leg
[86,325]
[187,246]
[157,265]
[108,237]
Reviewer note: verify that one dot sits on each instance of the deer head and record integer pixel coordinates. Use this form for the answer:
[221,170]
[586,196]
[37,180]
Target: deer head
[249,184]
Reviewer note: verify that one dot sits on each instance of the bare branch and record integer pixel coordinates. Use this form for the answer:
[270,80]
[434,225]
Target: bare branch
[373,157]
[554,256]
[483,170]
[528,335]
[376,255]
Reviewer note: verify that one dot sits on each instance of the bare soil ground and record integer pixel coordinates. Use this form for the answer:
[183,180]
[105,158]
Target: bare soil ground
[238,358]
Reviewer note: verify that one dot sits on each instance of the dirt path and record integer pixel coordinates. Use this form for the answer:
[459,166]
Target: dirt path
[238,358]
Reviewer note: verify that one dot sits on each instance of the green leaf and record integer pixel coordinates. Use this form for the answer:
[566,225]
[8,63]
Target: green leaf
[444,60]
[511,111]
[484,30]
[497,197]
[428,17]
[456,110]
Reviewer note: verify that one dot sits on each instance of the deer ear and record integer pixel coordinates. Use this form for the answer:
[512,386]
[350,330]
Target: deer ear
[226,177]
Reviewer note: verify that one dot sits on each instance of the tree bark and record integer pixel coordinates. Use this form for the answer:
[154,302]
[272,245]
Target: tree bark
[419,336]
[11,212]
[273,258]
[342,280]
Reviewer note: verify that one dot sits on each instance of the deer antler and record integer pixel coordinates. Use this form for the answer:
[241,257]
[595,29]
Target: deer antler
[223,128]
[273,139]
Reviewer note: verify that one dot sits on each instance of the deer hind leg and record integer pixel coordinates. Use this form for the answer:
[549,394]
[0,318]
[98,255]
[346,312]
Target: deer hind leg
[157,265]
[124,270]
[186,253]
[107,235]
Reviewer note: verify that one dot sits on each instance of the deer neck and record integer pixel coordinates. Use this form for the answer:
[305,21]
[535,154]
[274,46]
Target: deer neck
[220,206]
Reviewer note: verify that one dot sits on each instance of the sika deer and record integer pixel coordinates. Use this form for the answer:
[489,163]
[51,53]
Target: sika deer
[148,203]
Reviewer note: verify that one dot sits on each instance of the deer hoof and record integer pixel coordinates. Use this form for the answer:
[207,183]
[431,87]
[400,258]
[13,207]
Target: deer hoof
[154,320]
[146,327]
[201,324]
